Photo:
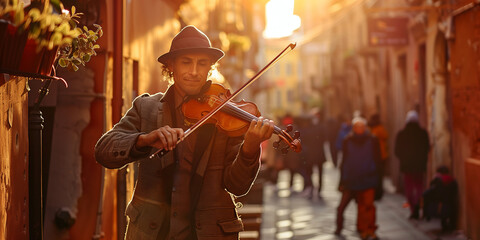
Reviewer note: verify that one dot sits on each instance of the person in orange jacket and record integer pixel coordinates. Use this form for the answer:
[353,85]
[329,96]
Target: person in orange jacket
[379,131]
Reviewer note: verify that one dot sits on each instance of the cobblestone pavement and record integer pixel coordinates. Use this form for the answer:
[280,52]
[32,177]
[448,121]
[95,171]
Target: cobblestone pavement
[289,214]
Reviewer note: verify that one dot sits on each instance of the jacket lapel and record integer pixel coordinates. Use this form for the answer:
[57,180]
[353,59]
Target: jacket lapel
[164,117]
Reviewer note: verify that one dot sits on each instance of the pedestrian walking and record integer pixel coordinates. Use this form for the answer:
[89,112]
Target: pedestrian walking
[187,193]
[332,128]
[358,178]
[313,152]
[345,129]
[412,146]
[379,131]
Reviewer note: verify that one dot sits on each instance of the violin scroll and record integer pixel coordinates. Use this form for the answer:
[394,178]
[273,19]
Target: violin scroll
[286,141]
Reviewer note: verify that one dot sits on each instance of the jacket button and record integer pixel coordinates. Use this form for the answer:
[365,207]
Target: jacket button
[115,154]
[199,226]
[173,189]
[122,153]
[153,225]
[174,214]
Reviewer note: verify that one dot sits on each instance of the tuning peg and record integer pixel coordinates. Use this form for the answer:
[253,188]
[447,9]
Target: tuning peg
[289,128]
[296,135]
[285,150]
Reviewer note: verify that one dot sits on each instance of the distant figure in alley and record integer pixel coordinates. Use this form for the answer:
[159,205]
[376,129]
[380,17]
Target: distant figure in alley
[359,178]
[411,147]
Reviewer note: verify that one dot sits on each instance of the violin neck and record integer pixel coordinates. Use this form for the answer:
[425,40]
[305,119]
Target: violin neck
[244,115]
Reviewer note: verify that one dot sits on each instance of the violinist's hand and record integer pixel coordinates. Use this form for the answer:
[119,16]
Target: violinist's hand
[162,138]
[258,131]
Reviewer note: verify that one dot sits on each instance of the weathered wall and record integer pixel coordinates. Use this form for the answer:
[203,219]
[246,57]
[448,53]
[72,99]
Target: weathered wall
[65,182]
[465,104]
[14,159]
[149,29]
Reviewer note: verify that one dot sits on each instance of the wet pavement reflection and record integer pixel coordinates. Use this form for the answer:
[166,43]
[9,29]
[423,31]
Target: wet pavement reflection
[288,213]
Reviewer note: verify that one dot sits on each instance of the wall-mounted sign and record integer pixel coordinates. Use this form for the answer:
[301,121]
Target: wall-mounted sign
[387,31]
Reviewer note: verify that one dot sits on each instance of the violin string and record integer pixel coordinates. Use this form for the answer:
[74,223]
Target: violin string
[234,110]
[246,115]
[287,49]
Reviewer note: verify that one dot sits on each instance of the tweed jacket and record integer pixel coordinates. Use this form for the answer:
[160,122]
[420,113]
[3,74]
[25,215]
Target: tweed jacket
[151,212]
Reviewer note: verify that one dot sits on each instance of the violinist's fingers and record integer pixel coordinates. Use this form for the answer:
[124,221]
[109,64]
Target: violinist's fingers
[162,139]
[259,123]
[164,131]
[253,124]
[180,133]
[268,128]
[174,137]
[168,138]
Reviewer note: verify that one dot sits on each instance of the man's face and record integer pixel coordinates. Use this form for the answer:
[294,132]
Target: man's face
[359,128]
[190,72]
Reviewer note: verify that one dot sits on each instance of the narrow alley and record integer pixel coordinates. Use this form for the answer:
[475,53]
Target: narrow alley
[287,214]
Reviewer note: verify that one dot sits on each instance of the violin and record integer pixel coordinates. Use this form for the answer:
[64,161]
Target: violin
[234,118]
[217,100]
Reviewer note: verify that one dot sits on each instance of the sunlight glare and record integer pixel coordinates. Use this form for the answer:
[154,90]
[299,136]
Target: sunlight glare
[280,19]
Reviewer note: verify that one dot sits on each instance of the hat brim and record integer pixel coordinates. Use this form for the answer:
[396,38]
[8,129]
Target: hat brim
[216,53]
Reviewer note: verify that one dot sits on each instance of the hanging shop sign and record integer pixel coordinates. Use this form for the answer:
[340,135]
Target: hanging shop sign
[387,31]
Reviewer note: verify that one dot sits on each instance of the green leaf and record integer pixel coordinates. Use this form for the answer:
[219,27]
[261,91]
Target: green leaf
[66,40]
[56,39]
[76,61]
[34,32]
[19,17]
[34,14]
[86,58]
[62,62]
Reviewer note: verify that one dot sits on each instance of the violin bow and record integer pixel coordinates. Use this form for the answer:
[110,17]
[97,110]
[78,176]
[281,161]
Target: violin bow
[205,118]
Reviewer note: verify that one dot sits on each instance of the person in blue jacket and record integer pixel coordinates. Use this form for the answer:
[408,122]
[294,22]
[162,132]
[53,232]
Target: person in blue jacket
[359,176]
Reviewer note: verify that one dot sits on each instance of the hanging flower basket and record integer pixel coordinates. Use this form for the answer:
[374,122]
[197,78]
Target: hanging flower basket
[3,29]
[51,33]
[48,59]
[12,49]
[31,58]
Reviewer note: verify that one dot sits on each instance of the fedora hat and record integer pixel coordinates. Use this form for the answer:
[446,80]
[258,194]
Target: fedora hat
[191,39]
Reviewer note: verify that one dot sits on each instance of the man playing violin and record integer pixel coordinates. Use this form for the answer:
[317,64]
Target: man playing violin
[189,192]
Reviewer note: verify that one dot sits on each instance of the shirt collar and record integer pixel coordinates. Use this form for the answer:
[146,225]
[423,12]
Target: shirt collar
[171,98]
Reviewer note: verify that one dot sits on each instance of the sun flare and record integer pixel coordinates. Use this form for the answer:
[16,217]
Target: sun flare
[280,19]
